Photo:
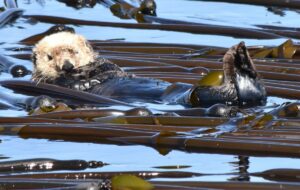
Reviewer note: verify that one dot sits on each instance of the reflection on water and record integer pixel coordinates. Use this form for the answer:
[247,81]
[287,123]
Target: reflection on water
[140,158]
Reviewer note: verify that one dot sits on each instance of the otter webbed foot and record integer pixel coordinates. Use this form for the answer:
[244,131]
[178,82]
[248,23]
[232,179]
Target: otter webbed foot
[249,86]
[241,84]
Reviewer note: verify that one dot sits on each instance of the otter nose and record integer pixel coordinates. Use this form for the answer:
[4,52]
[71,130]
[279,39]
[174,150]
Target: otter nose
[67,66]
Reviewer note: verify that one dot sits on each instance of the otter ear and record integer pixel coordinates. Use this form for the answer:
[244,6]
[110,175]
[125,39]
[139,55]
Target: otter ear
[88,45]
[90,49]
[33,58]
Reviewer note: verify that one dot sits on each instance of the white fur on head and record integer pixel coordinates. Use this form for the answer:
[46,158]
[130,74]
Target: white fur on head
[50,53]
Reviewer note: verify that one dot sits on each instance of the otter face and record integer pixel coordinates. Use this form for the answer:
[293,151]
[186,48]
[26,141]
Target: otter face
[60,53]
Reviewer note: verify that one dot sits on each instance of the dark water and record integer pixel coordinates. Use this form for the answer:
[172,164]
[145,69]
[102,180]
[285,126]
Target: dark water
[134,157]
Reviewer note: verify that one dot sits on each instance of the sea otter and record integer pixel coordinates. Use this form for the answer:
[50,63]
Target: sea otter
[68,60]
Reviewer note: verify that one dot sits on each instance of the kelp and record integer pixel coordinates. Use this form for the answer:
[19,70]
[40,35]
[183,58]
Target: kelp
[286,50]
[196,29]
[158,185]
[250,136]
[46,164]
[79,4]
[131,182]
[32,88]
[277,174]
[163,120]
[8,66]
[279,3]
[105,175]
[57,28]
[10,13]
[90,114]
[124,10]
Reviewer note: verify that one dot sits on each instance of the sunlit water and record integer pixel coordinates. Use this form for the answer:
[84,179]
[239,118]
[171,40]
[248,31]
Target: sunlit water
[136,158]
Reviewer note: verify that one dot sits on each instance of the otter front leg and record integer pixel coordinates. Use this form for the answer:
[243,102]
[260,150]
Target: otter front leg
[84,85]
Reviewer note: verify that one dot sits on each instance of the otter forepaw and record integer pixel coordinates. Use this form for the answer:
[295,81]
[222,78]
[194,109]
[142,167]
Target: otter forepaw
[84,85]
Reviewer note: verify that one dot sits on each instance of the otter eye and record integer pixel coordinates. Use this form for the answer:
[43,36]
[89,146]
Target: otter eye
[49,57]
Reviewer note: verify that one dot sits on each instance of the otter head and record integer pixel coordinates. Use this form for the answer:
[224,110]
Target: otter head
[60,53]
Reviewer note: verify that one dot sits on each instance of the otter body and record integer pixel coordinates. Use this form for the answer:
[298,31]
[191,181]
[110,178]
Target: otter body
[71,62]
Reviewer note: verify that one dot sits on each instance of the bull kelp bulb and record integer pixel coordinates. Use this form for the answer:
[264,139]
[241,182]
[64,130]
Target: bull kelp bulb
[213,78]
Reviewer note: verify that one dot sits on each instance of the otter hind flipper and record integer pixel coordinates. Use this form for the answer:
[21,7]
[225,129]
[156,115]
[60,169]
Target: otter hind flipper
[242,85]
[250,88]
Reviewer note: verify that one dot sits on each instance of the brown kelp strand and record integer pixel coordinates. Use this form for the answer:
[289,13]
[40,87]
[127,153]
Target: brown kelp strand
[101,43]
[89,114]
[268,71]
[286,33]
[22,120]
[208,63]
[6,106]
[45,164]
[5,63]
[138,62]
[285,50]
[289,83]
[278,69]
[138,54]
[89,134]
[183,75]
[175,75]
[149,50]
[9,15]
[198,70]
[106,175]
[164,120]
[35,38]
[289,110]
[35,184]
[160,20]
[212,51]
[277,27]
[10,4]
[198,29]
[263,137]
[283,92]
[232,185]
[217,110]
[95,126]
[218,145]
[115,43]
[281,174]
[32,88]
[54,184]
[282,85]
[294,4]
